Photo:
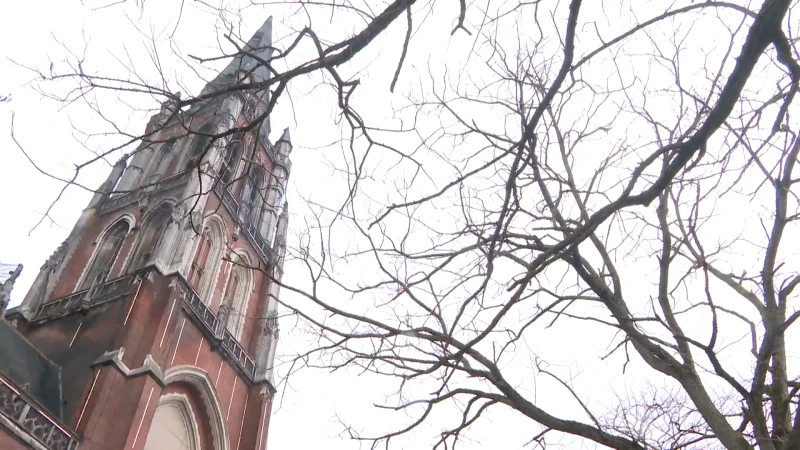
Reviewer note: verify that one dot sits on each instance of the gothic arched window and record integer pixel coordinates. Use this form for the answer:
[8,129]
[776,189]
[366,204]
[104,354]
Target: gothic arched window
[200,261]
[253,194]
[152,233]
[237,295]
[205,264]
[105,255]
[161,160]
[199,146]
[230,162]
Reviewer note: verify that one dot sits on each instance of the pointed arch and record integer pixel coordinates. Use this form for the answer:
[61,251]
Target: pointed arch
[199,146]
[238,288]
[231,159]
[159,162]
[151,235]
[106,253]
[175,420]
[205,264]
[199,379]
[253,195]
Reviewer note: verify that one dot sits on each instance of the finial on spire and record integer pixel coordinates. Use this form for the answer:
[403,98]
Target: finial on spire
[250,60]
[285,136]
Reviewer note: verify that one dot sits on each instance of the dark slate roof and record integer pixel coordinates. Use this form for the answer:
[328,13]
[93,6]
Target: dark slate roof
[25,365]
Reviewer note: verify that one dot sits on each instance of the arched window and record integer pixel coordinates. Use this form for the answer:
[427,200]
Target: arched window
[105,255]
[230,163]
[161,160]
[200,261]
[199,146]
[237,295]
[202,273]
[152,233]
[230,290]
[253,194]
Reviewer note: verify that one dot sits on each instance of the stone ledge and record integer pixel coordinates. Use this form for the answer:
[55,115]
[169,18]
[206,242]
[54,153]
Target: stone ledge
[149,366]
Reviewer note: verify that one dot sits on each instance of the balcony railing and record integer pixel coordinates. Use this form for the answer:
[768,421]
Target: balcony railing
[16,407]
[206,317]
[238,355]
[116,201]
[99,293]
[227,198]
[215,330]
[249,229]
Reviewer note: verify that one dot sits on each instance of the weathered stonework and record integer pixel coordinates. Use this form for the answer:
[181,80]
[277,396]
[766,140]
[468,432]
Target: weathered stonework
[162,295]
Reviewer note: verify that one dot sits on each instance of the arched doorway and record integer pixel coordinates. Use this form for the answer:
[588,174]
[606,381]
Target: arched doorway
[174,426]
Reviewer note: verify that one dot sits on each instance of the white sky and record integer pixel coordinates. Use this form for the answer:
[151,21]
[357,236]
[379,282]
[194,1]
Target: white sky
[307,414]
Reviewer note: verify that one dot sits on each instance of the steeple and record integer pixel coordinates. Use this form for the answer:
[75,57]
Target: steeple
[251,61]
[250,66]
[164,295]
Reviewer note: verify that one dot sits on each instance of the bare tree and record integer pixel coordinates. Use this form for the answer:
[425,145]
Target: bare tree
[631,178]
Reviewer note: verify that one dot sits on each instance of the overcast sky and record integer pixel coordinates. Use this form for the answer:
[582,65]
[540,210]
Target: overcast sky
[308,413]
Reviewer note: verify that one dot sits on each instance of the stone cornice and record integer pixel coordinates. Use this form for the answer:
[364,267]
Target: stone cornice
[149,366]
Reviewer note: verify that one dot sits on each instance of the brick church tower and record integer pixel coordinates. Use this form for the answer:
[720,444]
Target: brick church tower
[153,326]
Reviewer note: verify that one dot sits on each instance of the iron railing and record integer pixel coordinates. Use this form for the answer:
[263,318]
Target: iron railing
[119,200]
[99,293]
[214,329]
[16,407]
[237,354]
[250,229]
[258,241]
[227,198]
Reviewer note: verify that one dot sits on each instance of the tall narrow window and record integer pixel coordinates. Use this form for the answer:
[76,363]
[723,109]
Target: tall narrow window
[161,161]
[233,154]
[105,255]
[253,194]
[152,235]
[249,107]
[230,291]
[226,311]
[237,295]
[199,146]
[198,268]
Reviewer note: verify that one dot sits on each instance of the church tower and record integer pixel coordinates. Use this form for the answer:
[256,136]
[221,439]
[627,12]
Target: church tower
[154,325]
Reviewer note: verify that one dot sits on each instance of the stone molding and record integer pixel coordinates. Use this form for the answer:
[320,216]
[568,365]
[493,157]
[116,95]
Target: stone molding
[149,366]
[199,378]
[187,413]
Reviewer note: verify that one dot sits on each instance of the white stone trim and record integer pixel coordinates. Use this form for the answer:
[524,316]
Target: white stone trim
[131,224]
[185,407]
[149,366]
[241,263]
[140,233]
[202,382]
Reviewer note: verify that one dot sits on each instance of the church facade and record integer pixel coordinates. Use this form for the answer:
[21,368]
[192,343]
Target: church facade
[154,325]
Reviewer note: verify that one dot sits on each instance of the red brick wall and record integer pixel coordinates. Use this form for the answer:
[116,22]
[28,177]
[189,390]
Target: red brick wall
[150,322]
[8,441]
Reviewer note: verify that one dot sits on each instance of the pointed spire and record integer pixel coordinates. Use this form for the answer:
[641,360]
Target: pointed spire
[285,136]
[257,51]
[284,144]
